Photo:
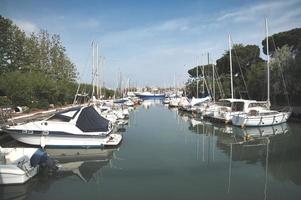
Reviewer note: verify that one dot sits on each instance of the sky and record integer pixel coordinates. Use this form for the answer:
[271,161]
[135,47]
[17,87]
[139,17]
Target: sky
[151,42]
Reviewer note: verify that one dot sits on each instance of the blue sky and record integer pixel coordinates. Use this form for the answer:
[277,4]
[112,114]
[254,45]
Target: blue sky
[150,42]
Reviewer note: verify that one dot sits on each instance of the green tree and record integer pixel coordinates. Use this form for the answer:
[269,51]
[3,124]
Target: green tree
[34,70]
[12,41]
[256,81]
[285,52]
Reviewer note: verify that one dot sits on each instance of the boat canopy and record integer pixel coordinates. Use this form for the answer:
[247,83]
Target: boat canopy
[90,121]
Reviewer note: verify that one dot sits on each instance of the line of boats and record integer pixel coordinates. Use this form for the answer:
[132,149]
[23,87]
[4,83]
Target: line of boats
[90,126]
[239,112]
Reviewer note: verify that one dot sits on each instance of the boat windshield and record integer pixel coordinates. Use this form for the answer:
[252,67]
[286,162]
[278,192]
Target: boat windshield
[237,106]
[65,116]
[257,104]
[224,103]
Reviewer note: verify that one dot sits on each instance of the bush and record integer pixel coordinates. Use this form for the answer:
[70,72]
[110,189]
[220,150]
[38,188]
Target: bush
[5,102]
[41,104]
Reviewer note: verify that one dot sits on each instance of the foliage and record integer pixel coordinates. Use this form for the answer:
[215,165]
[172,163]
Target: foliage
[286,48]
[243,57]
[34,70]
[291,38]
[4,101]
[285,70]
[256,81]
[35,89]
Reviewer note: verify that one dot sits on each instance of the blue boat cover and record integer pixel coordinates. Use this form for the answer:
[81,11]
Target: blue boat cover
[38,158]
[90,121]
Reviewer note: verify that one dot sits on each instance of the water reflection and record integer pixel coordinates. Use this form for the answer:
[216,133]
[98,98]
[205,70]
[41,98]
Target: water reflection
[189,157]
[146,104]
[18,192]
[84,163]
[275,148]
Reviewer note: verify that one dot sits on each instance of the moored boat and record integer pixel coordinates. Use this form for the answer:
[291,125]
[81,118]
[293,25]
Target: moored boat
[262,116]
[150,95]
[78,126]
[18,165]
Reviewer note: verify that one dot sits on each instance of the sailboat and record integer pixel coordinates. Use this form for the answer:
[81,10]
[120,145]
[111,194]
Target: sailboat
[196,103]
[225,109]
[259,115]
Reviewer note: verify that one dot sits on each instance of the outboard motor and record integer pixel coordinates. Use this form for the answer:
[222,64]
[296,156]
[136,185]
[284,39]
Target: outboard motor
[42,159]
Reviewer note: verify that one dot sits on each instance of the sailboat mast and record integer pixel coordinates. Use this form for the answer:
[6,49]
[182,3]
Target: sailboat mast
[93,65]
[203,72]
[230,48]
[197,78]
[213,86]
[100,76]
[97,72]
[268,62]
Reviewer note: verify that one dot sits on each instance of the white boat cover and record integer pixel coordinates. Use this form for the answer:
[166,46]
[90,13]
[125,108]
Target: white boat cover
[195,101]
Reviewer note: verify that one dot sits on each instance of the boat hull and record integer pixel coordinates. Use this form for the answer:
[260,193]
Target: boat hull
[17,165]
[264,120]
[151,96]
[68,140]
[12,174]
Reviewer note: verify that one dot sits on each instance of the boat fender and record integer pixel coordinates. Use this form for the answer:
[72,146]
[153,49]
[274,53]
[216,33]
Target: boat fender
[247,137]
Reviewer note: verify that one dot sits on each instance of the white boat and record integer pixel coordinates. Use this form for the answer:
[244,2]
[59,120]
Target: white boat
[197,101]
[225,109]
[17,165]
[197,104]
[129,103]
[174,102]
[259,116]
[166,101]
[78,126]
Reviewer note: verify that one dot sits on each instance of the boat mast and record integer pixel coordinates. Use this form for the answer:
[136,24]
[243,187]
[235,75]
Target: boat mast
[197,78]
[212,89]
[213,83]
[93,65]
[230,48]
[97,72]
[100,75]
[174,84]
[268,62]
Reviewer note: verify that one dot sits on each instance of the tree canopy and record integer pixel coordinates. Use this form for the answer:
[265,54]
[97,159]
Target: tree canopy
[249,69]
[35,68]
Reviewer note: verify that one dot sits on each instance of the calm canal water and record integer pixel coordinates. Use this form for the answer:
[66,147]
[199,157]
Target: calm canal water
[163,156]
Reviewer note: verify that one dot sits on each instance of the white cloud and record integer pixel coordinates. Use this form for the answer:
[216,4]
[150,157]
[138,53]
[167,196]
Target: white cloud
[152,53]
[252,12]
[90,23]
[172,25]
[27,26]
